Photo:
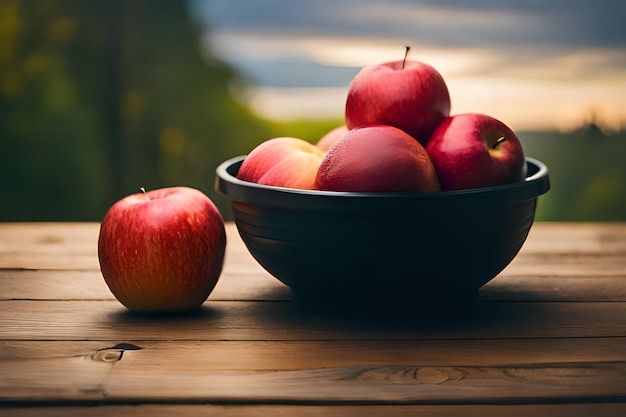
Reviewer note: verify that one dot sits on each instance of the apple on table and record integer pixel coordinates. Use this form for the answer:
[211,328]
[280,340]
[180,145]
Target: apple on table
[407,94]
[377,159]
[162,250]
[283,162]
[475,150]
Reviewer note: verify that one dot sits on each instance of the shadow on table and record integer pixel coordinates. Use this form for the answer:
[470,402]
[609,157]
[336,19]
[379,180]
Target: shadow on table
[285,320]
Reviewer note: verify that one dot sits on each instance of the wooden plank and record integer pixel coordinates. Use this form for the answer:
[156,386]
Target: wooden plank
[554,288]
[68,246]
[196,356]
[226,320]
[239,372]
[49,245]
[568,264]
[531,276]
[271,410]
[566,237]
[26,284]
[114,377]
[259,285]
[73,245]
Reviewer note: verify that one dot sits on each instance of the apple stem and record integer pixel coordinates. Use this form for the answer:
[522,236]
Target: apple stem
[406,54]
[499,141]
[144,193]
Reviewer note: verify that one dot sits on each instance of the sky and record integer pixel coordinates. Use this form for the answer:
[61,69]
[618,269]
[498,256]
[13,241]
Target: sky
[534,64]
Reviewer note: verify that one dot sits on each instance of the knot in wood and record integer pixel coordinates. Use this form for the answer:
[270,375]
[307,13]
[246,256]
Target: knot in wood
[113,354]
[413,375]
[107,355]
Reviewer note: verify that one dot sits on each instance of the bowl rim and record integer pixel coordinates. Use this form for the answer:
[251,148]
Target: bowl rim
[535,184]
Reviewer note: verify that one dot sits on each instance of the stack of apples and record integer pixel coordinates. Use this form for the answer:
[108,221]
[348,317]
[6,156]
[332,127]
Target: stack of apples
[398,136]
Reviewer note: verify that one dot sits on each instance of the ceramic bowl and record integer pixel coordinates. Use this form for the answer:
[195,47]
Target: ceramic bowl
[345,253]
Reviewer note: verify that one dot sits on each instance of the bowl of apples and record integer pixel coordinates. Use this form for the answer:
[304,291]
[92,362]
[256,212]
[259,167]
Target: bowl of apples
[386,216]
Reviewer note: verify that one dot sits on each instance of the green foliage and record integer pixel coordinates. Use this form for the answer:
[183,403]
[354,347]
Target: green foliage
[587,174]
[100,98]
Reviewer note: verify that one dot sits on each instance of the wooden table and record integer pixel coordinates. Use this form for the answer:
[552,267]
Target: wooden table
[547,338]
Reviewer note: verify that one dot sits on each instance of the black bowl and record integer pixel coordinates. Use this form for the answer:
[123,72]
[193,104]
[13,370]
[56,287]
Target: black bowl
[345,253]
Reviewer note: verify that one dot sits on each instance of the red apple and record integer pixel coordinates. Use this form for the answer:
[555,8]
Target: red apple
[331,137]
[162,250]
[377,159]
[409,95]
[283,162]
[476,150]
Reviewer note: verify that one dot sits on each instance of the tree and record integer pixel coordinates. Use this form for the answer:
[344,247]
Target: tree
[100,98]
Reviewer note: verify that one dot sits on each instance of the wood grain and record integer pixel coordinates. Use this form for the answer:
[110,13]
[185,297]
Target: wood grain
[49,245]
[558,263]
[234,320]
[260,286]
[199,356]
[59,246]
[546,337]
[271,410]
[79,380]
[55,284]
[119,374]
[324,372]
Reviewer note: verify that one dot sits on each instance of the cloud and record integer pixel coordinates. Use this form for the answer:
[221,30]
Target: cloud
[574,50]
[520,32]
[450,23]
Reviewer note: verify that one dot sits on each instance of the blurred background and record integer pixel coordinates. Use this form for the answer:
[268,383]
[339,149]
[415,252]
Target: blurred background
[99,98]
